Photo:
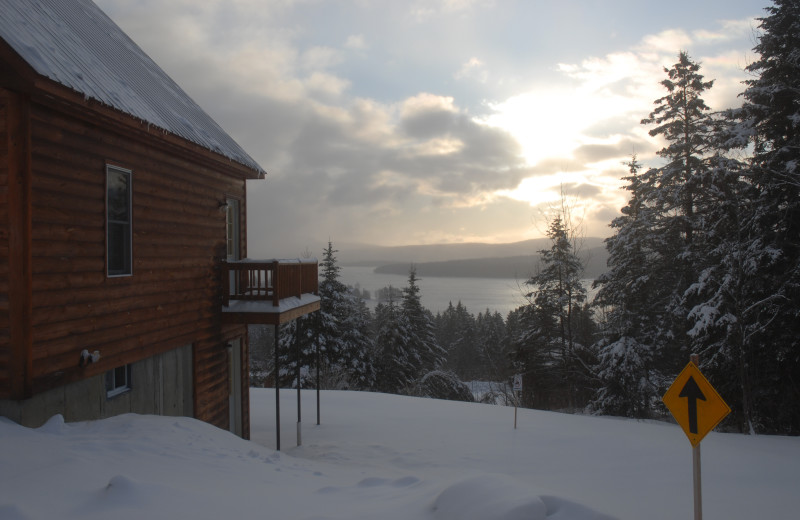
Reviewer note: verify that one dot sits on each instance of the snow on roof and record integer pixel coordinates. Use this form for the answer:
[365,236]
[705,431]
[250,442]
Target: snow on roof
[75,44]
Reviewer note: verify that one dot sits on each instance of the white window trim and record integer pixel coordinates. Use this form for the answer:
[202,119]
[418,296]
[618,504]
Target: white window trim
[121,389]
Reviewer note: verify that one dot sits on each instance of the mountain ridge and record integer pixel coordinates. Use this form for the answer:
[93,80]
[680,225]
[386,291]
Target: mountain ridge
[366,254]
[516,260]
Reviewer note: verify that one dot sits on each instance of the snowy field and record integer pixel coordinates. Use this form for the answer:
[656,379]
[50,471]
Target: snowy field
[385,457]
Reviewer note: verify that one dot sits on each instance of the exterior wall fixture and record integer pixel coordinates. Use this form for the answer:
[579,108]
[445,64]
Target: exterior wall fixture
[87,358]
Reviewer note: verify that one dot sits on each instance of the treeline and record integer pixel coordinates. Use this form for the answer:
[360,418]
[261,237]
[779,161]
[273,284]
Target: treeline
[706,255]
[400,347]
[704,259]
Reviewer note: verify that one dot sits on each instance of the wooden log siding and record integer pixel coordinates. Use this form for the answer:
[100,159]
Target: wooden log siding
[15,171]
[269,280]
[5,341]
[174,295]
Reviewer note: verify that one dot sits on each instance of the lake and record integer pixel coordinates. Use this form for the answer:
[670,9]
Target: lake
[476,294]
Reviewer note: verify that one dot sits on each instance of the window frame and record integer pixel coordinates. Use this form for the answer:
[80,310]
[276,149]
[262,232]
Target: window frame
[115,387]
[126,225]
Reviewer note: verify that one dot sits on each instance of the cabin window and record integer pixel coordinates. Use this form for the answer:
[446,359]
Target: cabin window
[119,259]
[232,229]
[118,380]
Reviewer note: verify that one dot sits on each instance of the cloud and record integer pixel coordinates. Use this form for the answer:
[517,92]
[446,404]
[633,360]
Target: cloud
[366,116]
[356,42]
[427,115]
[326,85]
[320,58]
[669,41]
[729,30]
[474,69]
[424,10]
[624,146]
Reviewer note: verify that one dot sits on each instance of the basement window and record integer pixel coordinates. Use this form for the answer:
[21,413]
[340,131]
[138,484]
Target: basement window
[118,381]
[119,258]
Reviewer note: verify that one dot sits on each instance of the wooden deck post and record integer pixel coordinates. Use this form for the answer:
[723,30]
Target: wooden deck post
[277,392]
[297,374]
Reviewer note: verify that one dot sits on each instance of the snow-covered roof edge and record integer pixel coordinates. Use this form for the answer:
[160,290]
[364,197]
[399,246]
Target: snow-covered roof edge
[74,43]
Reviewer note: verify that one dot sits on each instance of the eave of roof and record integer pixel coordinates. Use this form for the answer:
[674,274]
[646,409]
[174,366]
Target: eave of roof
[73,43]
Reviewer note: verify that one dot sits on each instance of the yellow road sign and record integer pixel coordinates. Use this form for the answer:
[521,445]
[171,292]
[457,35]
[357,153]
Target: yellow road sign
[695,404]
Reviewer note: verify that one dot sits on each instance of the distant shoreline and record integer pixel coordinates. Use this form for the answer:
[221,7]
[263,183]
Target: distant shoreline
[511,268]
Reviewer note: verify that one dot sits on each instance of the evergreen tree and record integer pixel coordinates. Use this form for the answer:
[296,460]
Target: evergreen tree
[328,323]
[682,119]
[768,357]
[358,358]
[490,332]
[295,337]
[456,334]
[548,345]
[557,286]
[634,298]
[439,384]
[427,353]
[533,348]
[397,360]
[342,329]
[625,372]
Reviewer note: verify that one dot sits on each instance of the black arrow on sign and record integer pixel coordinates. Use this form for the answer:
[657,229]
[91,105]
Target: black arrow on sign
[692,392]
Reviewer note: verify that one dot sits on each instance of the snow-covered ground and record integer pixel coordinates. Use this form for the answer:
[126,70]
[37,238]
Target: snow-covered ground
[389,457]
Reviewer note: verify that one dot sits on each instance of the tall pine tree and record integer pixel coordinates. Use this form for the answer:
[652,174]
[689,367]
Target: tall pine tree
[342,329]
[682,119]
[397,363]
[556,298]
[629,295]
[771,113]
[428,354]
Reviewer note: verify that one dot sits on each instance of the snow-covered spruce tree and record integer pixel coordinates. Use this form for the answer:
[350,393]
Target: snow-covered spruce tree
[533,348]
[719,299]
[422,334]
[447,330]
[397,363]
[770,361]
[293,337]
[556,298]
[490,330]
[629,294]
[342,329]
[441,384]
[455,332]
[359,358]
[682,119]
[327,323]
[261,353]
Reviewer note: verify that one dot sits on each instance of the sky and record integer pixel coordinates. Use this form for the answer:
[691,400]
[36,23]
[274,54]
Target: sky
[436,121]
[389,457]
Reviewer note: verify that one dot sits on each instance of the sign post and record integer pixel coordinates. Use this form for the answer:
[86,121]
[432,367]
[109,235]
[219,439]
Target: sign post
[517,388]
[698,408]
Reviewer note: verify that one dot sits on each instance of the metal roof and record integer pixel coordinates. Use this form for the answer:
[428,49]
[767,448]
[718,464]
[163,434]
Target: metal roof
[74,43]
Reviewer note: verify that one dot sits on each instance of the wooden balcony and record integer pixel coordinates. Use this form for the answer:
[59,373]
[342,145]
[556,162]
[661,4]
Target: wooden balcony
[269,292]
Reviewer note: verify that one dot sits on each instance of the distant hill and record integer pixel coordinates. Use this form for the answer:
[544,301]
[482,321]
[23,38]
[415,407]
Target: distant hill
[514,260]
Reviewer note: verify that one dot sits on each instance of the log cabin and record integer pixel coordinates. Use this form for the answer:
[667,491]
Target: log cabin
[124,280]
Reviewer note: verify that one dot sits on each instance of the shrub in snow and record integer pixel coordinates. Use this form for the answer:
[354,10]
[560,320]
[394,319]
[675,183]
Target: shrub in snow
[439,384]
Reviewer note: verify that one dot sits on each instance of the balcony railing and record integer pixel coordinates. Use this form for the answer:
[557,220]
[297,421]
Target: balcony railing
[268,280]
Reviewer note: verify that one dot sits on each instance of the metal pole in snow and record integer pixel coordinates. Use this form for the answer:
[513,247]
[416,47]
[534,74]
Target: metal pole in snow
[516,391]
[698,494]
[297,373]
[277,394]
[318,367]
